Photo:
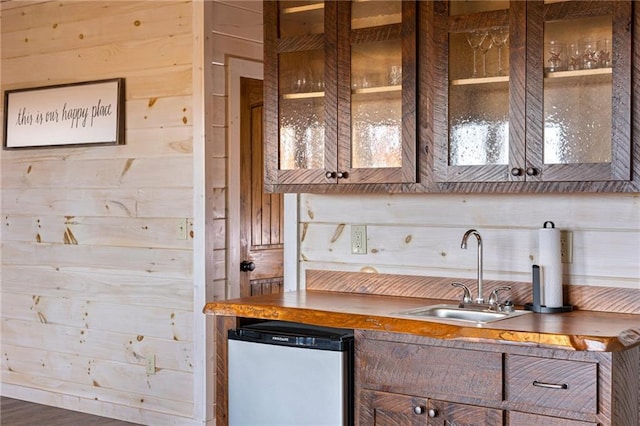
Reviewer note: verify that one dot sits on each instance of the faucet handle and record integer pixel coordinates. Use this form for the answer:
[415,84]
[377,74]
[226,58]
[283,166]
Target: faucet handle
[493,298]
[466,296]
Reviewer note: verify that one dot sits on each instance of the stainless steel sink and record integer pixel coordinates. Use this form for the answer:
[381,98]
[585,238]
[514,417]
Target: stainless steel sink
[454,312]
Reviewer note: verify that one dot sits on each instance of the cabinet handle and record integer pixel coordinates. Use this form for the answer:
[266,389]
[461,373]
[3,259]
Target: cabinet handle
[330,175]
[343,175]
[532,171]
[432,413]
[516,171]
[418,409]
[550,385]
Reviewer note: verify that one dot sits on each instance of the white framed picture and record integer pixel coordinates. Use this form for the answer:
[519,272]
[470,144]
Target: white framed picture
[71,114]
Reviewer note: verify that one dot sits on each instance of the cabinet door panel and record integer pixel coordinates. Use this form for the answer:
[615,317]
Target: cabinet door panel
[578,91]
[442,413]
[376,92]
[387,409]
[478,130]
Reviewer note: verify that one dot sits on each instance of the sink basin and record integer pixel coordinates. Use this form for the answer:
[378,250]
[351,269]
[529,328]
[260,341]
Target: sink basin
[454,312]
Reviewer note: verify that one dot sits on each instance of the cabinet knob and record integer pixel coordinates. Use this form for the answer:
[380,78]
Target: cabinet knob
[516,171]
[418,409]
[330,175]
[532,171]
[432,412]
[343,175]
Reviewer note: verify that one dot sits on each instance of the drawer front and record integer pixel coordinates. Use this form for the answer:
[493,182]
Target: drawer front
[429,371]
[526,419]
[552,383]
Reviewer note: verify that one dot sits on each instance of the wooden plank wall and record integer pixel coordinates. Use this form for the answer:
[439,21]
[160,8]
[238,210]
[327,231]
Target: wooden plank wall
[415,234]
[95,274]
[236,32]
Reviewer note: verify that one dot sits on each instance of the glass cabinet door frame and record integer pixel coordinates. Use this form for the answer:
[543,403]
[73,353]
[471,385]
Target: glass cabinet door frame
[405,32]
[444,25]
[620,166]
[273,44]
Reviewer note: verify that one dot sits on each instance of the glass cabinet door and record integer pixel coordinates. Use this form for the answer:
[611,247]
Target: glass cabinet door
[376,115]
[298,147]
[475,144]
[583,54]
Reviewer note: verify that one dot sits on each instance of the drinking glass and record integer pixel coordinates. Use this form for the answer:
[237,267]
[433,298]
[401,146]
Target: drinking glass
[589,53]
[604,53]
[574,57]
[556,51]
[475,38]
[484,47]
[395,75]
[499,35]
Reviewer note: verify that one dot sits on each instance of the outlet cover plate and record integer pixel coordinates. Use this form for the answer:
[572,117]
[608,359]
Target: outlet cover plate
[358,239]
[566,246]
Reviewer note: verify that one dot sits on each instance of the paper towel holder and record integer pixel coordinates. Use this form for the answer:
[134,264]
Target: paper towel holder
[536,306]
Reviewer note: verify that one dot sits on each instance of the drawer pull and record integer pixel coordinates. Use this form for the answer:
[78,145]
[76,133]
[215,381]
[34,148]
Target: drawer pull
[550,385]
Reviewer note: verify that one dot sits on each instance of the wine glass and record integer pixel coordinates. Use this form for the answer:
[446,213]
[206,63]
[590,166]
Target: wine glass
[484,47]
[475,38]
[499,35]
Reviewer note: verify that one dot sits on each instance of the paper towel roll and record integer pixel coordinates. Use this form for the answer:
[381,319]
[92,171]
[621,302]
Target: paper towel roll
[550,266]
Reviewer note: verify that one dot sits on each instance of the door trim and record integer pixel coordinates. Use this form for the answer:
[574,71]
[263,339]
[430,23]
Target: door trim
[238,68]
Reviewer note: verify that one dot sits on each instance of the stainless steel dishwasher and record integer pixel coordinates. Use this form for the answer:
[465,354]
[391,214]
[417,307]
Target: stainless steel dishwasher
[282,373]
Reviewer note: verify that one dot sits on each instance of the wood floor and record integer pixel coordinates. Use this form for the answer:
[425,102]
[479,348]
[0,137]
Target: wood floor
[14,412]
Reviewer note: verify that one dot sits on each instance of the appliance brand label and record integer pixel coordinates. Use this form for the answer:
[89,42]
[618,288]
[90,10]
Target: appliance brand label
[280,339]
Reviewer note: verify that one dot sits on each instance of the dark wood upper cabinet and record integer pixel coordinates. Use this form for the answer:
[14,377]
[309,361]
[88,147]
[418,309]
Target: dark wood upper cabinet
[452,96]
[339,94]
[540,106]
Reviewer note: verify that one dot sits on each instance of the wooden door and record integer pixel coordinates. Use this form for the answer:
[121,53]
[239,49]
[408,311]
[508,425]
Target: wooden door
[261,214]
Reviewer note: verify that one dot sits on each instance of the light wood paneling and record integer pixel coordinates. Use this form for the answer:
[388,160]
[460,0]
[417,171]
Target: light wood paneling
[40,35]
[96,275]
[420,235]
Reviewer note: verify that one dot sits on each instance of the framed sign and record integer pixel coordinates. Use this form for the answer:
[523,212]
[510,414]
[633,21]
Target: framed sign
[70,114]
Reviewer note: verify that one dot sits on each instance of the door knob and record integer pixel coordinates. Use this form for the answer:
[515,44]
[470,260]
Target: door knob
[247,266]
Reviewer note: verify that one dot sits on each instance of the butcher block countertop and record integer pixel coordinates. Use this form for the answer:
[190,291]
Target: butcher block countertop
[577,330]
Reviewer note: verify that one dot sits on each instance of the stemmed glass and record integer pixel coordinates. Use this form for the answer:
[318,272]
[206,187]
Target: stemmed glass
[475,39]
[499,35]
[484,47]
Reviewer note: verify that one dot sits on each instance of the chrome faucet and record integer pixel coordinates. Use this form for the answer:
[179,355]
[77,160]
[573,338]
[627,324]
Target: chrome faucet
[463,245]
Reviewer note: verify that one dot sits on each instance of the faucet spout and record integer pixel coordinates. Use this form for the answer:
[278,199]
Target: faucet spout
[463,245]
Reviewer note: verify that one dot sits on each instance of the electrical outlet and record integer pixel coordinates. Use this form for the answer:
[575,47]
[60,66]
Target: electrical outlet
[358,239]
[151,364]
[566,246]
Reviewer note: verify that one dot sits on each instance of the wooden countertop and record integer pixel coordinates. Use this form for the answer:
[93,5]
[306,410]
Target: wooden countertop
[577,330]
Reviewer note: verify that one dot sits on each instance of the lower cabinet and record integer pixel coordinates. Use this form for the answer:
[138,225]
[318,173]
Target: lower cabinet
[403,379]
[389,409]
